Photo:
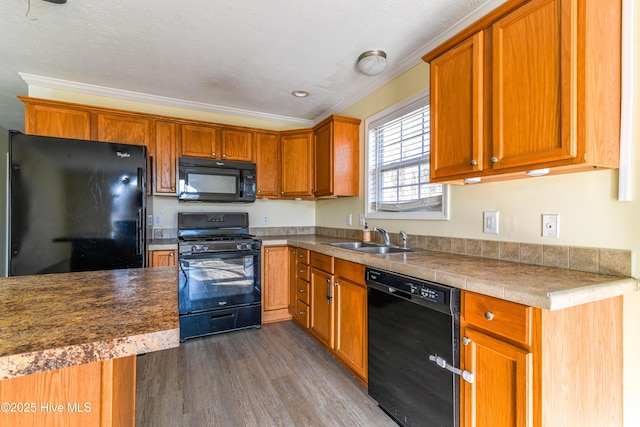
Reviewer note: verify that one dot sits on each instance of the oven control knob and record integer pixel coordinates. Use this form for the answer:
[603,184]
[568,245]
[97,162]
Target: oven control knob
[205,248]
[194,248]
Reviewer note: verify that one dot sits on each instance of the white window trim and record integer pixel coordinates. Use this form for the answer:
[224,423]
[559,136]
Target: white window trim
[406,104]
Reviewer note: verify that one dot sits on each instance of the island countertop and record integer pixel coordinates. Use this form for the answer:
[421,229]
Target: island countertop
[537,286]
[54,321]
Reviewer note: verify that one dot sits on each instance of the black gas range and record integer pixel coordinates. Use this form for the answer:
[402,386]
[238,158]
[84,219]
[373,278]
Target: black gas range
[219,273]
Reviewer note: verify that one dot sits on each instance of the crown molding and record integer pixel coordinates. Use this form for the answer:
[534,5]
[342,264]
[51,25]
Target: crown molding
[53,83]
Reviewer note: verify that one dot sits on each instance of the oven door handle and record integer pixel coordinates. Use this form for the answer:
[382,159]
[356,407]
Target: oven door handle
[440,361]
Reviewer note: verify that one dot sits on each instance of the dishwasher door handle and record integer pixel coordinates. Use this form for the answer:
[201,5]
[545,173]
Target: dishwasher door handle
[466,375]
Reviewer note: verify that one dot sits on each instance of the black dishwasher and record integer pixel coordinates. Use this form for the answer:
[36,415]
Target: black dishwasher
[413,349]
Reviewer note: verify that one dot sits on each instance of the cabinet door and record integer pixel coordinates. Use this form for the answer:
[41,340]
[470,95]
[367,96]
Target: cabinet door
[58,121]
[267,164]
[124,129]
[296,154]
[163,258]
[350,301]
[236,145]
[166,161]
[501,393]
[321,321]
[275,280]
[199,141]
[534,61]
[456,110]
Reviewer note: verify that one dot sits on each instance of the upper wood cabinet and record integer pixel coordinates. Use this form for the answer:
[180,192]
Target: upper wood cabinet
[212,142]
[532,87]
[199,141]
[296,156]
[337,148]
[166,158]
[267,149]
[123,129]
[51,119]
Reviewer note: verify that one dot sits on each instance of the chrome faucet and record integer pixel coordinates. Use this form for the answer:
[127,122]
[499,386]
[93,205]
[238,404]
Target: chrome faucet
[384,234]
[403,234]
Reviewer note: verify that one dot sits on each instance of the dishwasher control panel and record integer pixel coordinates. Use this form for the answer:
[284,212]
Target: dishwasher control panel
[421,288]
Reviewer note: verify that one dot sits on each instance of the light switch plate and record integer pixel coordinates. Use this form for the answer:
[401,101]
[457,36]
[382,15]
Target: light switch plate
[551,225]
[490,223]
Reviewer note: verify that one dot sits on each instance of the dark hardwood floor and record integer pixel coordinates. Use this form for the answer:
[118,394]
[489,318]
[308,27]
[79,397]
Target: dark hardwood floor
[274,376]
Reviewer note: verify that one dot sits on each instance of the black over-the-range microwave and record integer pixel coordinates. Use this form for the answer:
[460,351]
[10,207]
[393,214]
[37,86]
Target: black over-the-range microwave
[205,180]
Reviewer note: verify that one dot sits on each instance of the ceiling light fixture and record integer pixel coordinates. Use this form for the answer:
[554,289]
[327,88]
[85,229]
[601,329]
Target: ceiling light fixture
[300,93]
[372,62]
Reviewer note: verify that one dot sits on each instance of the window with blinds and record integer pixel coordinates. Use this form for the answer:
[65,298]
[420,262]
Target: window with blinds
[398,165]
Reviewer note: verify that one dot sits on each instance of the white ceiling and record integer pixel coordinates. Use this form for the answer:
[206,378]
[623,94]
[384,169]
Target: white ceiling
[243,57]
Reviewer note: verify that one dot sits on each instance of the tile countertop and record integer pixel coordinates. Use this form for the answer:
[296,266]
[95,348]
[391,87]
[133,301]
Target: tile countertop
[543,287]
[54,321]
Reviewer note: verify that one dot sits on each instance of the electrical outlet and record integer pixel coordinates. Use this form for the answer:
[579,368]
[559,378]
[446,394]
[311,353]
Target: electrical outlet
[349,219]
[265,219]
[157,220]
[551,225]
[362,219]
[490,223]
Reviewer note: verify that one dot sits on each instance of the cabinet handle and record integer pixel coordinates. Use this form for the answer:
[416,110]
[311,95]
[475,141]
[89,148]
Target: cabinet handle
[329,297]
[466,341]
[474,162]
[488,315]
[494,160]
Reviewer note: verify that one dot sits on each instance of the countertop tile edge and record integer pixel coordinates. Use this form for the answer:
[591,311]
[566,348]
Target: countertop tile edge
[63,357]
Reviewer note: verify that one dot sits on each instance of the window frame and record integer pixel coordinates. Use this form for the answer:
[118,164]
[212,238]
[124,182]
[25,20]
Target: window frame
[390,113]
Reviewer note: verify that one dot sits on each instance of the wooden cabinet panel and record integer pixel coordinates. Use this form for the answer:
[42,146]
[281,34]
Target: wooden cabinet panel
[350,301]
[165,158]
[293,279]
[236,145]
[336,151]
[321,319]
[163,258]
[533,86]
[267,164]
[123,129]
[199,141]
[457,127]
[296,149]
[58,121]
[275,284]
[504,318]
[501,394]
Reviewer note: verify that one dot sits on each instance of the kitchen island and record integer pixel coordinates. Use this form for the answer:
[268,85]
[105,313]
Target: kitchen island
[68,343]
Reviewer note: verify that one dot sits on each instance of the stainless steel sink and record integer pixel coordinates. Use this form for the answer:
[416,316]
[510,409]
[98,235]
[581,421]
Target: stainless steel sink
[353,245]
[369,248]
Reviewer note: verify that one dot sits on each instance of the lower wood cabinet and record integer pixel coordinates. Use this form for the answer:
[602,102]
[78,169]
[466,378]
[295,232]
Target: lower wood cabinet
[535,367]
[275,284]
[163,258]
[321,293]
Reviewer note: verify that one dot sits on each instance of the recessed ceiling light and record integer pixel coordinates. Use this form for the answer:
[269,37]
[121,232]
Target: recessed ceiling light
[300,93]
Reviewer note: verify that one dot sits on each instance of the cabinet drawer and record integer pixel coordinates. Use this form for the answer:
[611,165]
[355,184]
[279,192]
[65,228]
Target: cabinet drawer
[303,272]
[303,256]
[302,291]
[504,318]
[322,262]
[302,314]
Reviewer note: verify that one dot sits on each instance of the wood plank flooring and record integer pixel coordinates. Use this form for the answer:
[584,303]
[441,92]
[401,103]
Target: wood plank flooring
[273,376]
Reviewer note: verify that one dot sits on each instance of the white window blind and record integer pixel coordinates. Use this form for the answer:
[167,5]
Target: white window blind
[398,164]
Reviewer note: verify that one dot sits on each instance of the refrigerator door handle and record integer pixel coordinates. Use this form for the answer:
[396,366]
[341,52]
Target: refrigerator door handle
[139,233]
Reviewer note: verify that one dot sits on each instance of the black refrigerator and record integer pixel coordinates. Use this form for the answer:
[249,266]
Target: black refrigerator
[74,205]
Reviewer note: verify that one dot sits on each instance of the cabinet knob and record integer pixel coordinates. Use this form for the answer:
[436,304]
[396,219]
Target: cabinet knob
[282,192]
[301,291]
[173,188]
[259,191]
[224,156]
[171,254]
[488,315]
[494,160]
[301,271]
[474,162]
[266,250]
[465,340]
[213,154]
[301,313]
